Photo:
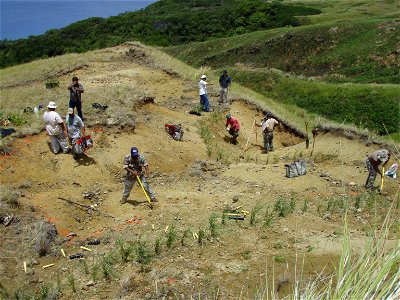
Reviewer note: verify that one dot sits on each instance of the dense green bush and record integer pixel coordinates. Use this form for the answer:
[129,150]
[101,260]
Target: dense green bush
[162,23]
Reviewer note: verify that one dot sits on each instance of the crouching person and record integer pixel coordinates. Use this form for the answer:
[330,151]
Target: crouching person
[55,128]
[136,166]
[75,128]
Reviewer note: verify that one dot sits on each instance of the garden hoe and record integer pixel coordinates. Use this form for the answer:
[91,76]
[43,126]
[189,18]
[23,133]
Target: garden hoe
[144,191]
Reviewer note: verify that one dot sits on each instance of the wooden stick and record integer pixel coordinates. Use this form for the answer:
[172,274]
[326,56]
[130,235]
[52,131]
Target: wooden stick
[88,207]
[248,139]
[48,266]
[87,249]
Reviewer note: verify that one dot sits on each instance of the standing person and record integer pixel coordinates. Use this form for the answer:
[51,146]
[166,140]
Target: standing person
[224,82]
[136,165]
[75,95]
[233,126]
[204,103]
[373,161]
[268,124]
[75,127]
[55,128]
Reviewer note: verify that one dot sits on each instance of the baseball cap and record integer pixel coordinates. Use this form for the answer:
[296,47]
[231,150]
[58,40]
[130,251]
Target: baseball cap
[52,104]
[134,151]
[70,111]
[203,76]
[228,116]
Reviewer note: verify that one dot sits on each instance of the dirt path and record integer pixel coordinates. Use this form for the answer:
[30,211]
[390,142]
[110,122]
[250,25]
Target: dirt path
[190,188]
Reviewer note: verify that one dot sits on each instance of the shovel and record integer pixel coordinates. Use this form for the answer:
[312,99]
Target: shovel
[144,191]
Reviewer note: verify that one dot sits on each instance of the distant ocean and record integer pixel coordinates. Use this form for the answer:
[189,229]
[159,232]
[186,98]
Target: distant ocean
[22,18]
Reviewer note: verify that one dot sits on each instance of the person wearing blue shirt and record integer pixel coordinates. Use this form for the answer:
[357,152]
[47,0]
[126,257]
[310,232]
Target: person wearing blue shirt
[224,81]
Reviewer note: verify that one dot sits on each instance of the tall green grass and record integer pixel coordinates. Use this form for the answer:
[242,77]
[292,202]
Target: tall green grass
[365,106]
[372,274]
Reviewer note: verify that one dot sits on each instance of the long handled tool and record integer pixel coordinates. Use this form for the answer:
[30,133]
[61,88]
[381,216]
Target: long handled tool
[248,139]
[87,208]
[144,191]
[383,175]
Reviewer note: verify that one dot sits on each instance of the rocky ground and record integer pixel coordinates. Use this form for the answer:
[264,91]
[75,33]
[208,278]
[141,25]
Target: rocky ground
[291,223]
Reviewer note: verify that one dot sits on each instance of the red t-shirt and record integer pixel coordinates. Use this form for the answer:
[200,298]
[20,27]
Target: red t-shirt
[233,123]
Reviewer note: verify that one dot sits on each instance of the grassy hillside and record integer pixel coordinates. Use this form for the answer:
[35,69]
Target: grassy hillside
[319,61]
[362,51]
[365,106]
[166,22]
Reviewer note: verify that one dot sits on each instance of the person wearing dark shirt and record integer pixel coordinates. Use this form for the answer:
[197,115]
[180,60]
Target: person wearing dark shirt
[75,95]
[224,82]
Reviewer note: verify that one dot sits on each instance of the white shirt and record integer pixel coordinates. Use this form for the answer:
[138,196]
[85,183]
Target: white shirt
[202,87]
[269,123]
[74,127]
[52,120]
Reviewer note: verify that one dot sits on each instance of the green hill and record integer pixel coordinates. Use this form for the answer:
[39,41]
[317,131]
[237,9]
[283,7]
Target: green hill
[164,23]
[317,63]
[363,51]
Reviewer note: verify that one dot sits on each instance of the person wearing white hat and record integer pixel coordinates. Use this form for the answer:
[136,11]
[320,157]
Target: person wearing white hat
[204,103]
[75,126]
[55,128]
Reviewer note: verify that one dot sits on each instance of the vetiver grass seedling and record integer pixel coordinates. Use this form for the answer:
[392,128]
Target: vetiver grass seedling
[107,267]
[71,282]
[212,224]
[44,291]
[305,206]
[281,207]
[95,271]
[125,250]
[84,266]
[185,236]
[143,253]
[157,245]
[171,236]
[268,218]
[201,235]
[254,212]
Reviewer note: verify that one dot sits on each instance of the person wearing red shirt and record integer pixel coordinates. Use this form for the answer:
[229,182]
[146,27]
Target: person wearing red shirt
[233,127]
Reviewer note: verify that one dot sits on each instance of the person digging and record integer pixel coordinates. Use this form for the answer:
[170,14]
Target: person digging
[233,127]
[373,161]
[137,170]
[268,124]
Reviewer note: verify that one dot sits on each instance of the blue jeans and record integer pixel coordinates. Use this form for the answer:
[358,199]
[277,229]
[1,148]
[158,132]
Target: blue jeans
[78,105]
[204,102]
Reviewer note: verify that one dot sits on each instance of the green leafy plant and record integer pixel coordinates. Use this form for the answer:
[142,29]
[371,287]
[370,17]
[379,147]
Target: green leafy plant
[52,83]
[16,119]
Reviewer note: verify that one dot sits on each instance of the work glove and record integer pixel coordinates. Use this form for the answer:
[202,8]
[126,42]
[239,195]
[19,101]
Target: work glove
[227,128]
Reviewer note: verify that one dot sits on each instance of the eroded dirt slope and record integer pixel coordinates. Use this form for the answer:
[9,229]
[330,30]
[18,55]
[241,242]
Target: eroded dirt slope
[191,187]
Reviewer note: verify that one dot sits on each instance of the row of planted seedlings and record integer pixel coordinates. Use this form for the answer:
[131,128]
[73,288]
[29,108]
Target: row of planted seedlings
[142,251]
